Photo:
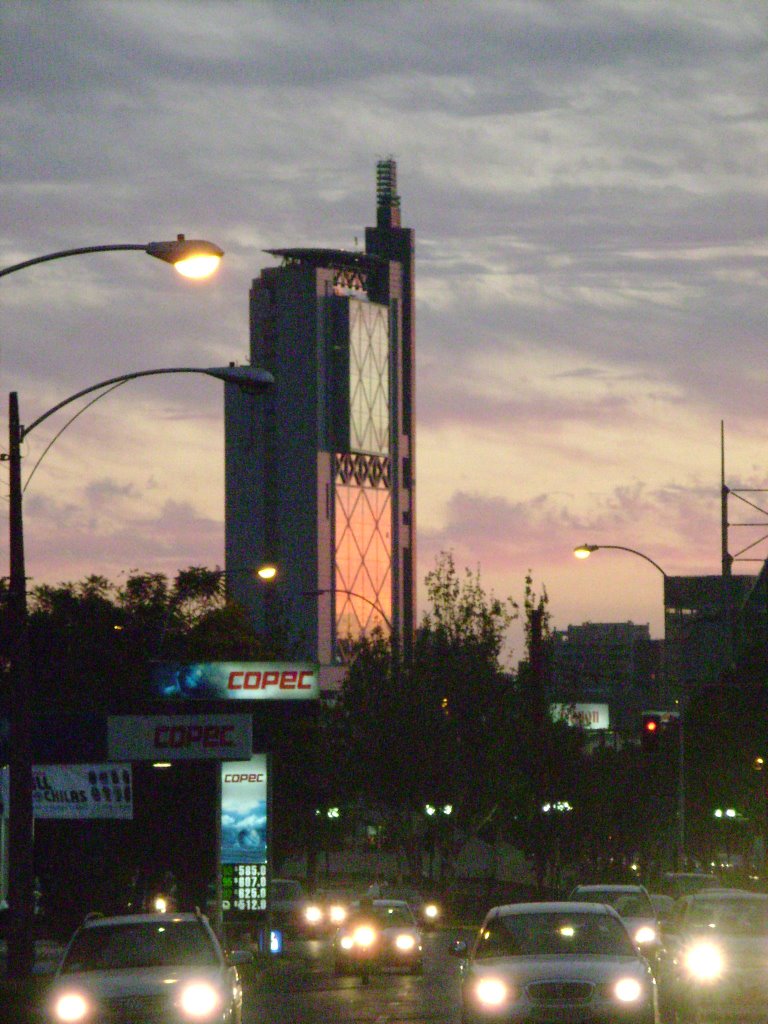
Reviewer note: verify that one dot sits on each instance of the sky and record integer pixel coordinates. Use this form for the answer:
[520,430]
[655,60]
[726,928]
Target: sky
[587,183]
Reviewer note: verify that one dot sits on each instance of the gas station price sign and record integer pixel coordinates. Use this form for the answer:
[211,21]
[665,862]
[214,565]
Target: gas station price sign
[244,887]
[244,825]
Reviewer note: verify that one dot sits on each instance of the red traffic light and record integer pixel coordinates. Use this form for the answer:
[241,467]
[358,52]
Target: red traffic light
[651,733]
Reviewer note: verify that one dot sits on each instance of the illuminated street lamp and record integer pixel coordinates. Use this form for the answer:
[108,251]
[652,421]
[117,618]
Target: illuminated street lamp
[584,551]
[192,257]
[21,820]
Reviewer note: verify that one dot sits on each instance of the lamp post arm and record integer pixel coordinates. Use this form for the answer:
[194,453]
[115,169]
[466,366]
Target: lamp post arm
[68,252]
[258,378]
[352,593]
[633,551]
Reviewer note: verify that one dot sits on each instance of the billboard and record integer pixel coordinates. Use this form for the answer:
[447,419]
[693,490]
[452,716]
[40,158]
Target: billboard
[199,737]
[588,716]
[244,821]
[235,680]
[76,792]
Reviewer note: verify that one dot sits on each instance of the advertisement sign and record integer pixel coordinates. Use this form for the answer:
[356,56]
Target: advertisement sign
[179,737]
[77,791]
[235,680]
[587,716]
[244,805]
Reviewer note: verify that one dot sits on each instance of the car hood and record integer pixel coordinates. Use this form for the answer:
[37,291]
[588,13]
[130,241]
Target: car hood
[141,981]
[524,969]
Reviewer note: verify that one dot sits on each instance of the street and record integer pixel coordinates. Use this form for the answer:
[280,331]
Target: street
[301,985]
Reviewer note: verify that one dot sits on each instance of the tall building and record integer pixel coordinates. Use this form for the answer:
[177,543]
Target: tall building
[320,472]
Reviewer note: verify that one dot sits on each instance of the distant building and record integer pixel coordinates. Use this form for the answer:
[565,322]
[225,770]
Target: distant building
[320,474]
[606,663]
[700,616]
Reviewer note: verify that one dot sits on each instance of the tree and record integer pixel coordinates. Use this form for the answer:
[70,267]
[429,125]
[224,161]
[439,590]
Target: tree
[434,729]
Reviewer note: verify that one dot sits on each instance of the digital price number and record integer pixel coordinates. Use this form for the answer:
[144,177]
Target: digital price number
[244,886]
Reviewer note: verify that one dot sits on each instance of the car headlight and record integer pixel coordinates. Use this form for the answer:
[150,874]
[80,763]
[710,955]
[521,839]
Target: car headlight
[492,992]
[431,911]
[199,1000]
[70,1007]
[313,914]
[337,914]
[645,934]
[628,990]
[704,961]
[364,936]
[405,943]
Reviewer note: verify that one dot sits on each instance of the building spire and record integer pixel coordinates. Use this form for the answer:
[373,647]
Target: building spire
[387,199]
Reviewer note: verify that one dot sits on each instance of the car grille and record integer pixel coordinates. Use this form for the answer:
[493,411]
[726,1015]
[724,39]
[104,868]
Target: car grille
[560,991]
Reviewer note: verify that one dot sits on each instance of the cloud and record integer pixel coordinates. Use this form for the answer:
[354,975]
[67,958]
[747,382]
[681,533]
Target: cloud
[586,186]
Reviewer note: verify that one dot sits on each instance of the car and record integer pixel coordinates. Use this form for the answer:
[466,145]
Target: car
[151,967]
[662,906]
[633,904]
[570,962]
[428,911]
[287,903]
[397,943]
[684,883]
[715,957]
[324,912]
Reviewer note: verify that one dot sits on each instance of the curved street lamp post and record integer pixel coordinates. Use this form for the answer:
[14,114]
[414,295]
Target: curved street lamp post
[195,258]
[21,817]
[584,551]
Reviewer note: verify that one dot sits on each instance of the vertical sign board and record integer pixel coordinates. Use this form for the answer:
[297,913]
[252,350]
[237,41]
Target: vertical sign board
[244,833]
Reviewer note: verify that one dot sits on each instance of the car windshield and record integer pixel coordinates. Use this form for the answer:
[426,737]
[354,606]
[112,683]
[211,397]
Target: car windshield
[626,904]
[394,916]
[156,944]
[548,934]
[731,916]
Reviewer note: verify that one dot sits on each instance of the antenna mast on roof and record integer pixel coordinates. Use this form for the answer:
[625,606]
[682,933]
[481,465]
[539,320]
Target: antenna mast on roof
[387,199]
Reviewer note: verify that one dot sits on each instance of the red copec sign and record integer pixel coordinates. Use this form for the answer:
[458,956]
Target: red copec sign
[206,737]
[285,679]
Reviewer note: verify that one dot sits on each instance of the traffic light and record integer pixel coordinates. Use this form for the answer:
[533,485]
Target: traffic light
[651,732]
[660,727]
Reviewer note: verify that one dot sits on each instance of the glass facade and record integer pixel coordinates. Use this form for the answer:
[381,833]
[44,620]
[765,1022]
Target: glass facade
[368,377]
[362,485]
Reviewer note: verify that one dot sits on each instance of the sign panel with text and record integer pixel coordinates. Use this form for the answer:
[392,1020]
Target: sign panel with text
[235,680]
[587,716]
[179,737]
[77,792]
[244,822]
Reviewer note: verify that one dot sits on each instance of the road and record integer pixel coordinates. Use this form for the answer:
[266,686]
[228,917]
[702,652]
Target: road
[300,985]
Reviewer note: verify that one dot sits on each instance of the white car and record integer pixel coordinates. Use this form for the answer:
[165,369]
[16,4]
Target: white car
[573,963]
[716,952]
[152,968]
[394,941]
[634,906]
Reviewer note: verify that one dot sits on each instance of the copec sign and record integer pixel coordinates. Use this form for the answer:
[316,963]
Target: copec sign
[228,680]
[179,737]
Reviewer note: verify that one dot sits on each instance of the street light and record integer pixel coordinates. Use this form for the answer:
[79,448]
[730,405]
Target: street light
[584,551]
[192,257]
[21,820]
